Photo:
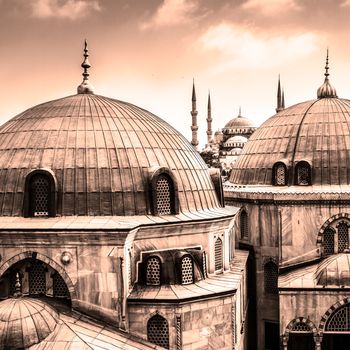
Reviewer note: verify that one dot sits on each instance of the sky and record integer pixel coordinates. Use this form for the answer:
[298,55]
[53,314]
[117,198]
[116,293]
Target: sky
[147,52]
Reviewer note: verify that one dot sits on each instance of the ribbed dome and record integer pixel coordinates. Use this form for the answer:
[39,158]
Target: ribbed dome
[317,131]
[235,141]
[335,270]
[100,151]
[25,322]
[239,122]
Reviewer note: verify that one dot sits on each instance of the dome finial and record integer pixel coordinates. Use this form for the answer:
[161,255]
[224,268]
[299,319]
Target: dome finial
[240,112]
[18,292]
[326,90]
[85,87]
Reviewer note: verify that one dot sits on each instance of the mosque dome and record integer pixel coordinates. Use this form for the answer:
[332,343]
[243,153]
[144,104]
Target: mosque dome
[101,154]
[25,322]
[315,133]
[235,141]
[239,122]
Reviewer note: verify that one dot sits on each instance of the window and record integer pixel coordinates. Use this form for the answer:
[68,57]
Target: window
[60,289]
[303,173]
[39,195]
[328,241]
[186,270]
[244,224]
[218,254]
[343,238]
[271,278]
[37,278]
[339,320]
[153,270]
[300,327]
[158,331]
[164,194]
[279,174]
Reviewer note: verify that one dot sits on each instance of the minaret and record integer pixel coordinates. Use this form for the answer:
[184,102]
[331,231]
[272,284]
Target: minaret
[194,113]
[209,120]
[283,104]
[279,96]
[85,87]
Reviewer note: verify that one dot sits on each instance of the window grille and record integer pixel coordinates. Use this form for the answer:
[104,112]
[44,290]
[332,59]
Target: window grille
[158,331]
[163,190]
[186,270]
[244,224]
[218,254]
[301,327]
[339,321]
[37,279]
[328,241]
[271,278]
[343,238]
[303,174]
[40,195]
[153,271]
[60,289]
[280,174]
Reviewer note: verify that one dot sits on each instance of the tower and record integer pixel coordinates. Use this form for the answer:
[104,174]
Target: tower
[209,120]
[194,113]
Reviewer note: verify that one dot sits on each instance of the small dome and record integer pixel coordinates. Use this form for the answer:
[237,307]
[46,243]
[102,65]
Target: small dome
[334,271]
[25,322]
[239,122]
[235,141]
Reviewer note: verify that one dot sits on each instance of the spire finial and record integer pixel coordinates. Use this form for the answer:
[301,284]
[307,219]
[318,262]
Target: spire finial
[85,87]
[279,95]
[326,90]
[194,99]
[240,111]
[18,292]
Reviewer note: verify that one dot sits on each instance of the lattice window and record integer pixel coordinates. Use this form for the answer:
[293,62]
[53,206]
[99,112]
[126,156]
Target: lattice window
[280,174]
[186,270]
[60,289]
[303,173]
[271,278]
[244,224]
[328,241]
[343,236]
[40,195]
[218,254]
[339,321]
[153,271]
[158,331]
[301,327]
[37,279]
[164,195]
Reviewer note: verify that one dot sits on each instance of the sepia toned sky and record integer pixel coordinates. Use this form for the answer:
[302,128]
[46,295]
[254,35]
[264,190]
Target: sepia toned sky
[148,51]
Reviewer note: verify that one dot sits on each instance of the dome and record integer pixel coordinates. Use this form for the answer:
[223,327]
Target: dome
[25,322]
[100,152]
[334,270]
[235,141]
[315,131]
[239,122]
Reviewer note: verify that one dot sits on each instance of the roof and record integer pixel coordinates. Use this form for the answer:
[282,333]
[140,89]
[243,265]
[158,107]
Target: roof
[100,151]
[316,131]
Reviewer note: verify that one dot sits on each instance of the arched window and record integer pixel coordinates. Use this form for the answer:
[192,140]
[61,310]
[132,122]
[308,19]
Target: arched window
[279,174]
[158,331]
[271,278]
[153,271]
[244,224]
[339,320]
[37,278]
[328,241]
[303,174]
[39,195]
[186,270]
[218,254]
[60,289]
[164,195]
[301,327]
[343,236]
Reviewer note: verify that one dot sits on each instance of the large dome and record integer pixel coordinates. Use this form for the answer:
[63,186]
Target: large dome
[239,122]
[100,151]
[316,131]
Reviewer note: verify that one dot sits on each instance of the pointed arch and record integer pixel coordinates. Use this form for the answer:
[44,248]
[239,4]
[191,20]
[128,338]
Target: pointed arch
[279,174]
[158,331]
[303,173]
[332,312]
[244,224]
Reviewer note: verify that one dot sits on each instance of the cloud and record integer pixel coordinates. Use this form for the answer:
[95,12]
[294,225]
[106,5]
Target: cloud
[248,48]
[70,9]
[172,12]
[345,3]
[271,7]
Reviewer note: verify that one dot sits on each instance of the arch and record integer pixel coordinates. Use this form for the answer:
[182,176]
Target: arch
[218,254]
[279,174]
[244,224]
[187,271]
[153,271]
[28,208]
[331,312]
[158,331]
[302,173]
[31,254]
[162,179]
[300,320]
[271,278]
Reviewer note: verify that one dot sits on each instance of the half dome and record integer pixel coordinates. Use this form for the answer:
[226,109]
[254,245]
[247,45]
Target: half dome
[99,151]
[25,322]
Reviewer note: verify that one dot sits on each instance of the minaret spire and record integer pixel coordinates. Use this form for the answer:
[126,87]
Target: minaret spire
[283,103]
[279,96]
[326,90]
[194,113]
[85,87]
[209,121]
